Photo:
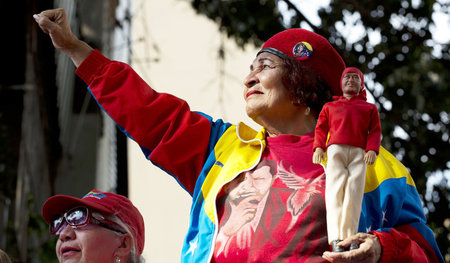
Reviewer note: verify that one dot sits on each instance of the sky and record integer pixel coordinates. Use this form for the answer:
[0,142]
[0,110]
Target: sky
[309,8]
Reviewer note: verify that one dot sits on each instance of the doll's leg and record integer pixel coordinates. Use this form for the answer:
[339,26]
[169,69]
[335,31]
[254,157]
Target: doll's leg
[354,192]
[336,175]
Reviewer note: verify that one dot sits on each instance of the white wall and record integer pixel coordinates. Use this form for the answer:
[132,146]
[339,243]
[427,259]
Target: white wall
[187,66]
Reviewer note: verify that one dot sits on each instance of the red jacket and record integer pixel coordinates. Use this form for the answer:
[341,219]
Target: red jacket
[351,121]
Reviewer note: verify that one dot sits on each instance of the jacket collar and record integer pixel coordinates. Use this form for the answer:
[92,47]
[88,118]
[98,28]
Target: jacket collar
[360,96]
[249,135]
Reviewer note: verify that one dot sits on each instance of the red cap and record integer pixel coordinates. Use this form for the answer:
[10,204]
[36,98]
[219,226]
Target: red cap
[101,201]
[311,50]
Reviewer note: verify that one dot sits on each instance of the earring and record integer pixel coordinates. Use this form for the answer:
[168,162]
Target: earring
[117,260]
[307,111]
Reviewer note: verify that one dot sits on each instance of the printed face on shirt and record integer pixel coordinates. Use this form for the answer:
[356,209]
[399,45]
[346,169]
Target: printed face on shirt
[264,92]
[264,210]
[251,185]
[351,84]
[246,197]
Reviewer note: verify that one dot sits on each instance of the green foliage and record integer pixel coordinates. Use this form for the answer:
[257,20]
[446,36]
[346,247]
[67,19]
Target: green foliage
[415,93]
[407,73]
[415,83]
[40,244]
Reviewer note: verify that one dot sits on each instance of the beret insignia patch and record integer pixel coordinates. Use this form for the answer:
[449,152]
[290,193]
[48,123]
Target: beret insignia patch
[302,50]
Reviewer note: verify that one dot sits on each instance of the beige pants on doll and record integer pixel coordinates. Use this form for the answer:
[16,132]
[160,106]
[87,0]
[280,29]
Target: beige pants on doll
[345,180]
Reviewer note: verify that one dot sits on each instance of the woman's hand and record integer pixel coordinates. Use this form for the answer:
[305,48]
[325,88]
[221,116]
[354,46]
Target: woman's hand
[55,23]
[369,250]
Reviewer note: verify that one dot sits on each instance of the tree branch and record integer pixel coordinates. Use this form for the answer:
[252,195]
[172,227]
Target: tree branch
[302,17]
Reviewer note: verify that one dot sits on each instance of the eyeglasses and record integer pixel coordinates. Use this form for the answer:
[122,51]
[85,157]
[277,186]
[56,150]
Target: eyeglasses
[78,217]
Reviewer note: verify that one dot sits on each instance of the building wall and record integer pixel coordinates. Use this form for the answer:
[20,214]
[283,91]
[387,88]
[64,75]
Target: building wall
[50,135]
[176,51]
[88,135]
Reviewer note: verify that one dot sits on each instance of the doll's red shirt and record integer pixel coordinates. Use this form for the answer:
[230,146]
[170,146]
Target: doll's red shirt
[351,121]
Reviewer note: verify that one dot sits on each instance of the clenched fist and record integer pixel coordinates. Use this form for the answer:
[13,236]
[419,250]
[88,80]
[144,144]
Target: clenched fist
[55,23]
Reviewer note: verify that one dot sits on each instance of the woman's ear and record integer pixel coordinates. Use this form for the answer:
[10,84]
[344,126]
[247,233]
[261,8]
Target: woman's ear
[124,249]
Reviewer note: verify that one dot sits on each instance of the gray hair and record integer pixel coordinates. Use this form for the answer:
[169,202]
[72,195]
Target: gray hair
[134,257]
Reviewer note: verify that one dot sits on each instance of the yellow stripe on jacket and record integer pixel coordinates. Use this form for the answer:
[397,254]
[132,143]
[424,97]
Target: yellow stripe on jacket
[240,147]
[385,167]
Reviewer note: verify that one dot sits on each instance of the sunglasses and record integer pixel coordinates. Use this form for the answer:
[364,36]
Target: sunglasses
[78,217]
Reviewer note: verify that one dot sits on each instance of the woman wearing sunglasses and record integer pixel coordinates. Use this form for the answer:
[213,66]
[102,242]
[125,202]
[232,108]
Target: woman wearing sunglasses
[100,227]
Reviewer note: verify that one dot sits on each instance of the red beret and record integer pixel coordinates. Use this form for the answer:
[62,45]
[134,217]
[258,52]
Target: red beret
[102,201]
[311,50]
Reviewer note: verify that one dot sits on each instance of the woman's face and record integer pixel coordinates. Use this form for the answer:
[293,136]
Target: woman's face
[264,92]
[91,243]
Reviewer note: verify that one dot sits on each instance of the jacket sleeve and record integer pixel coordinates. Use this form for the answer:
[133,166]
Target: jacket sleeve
[393,210]
[170,135]
[322,128]
[374,135]
[405,244]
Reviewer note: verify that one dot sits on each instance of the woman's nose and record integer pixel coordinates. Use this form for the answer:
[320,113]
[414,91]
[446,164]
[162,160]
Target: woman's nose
[250,80]
[67,233]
